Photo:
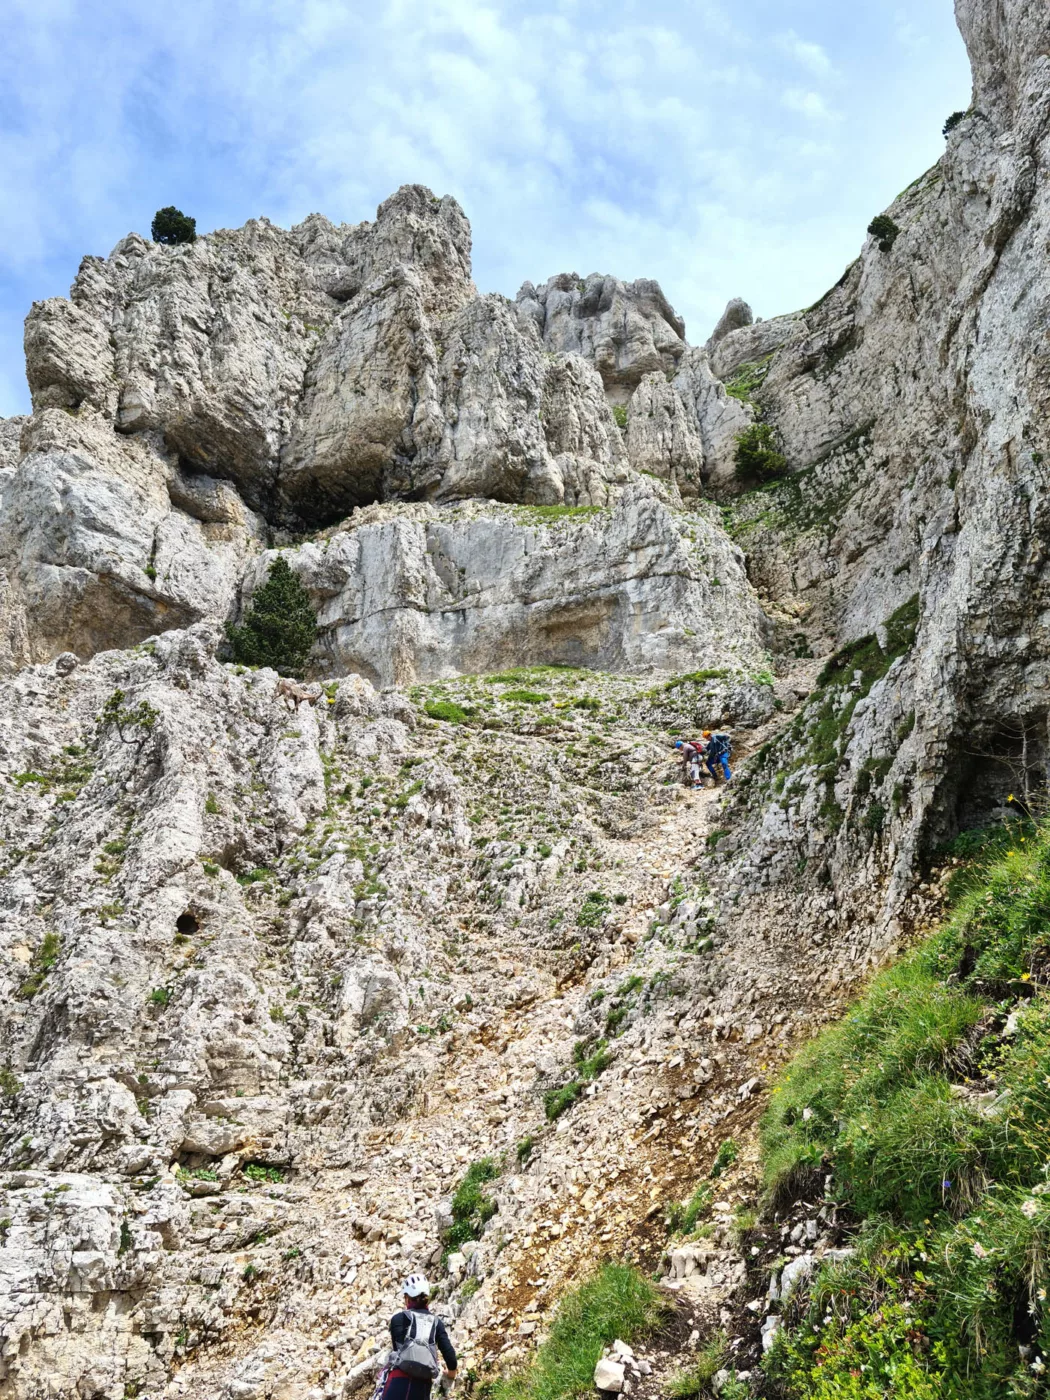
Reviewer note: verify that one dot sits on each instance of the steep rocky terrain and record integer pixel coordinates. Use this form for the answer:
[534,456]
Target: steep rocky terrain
[277,981]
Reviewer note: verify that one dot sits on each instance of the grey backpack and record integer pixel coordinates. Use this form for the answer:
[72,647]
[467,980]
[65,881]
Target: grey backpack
[417,1355]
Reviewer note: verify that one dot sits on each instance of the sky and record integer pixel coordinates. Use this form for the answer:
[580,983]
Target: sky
[725,149]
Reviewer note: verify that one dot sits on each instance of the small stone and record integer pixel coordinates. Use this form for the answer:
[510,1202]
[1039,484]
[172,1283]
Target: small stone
[609,1375]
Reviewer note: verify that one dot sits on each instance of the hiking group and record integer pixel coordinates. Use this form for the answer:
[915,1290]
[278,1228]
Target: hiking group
[417,1336]
[713,749]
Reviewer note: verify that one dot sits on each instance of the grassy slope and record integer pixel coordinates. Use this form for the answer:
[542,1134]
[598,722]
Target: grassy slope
[617,1302]
[929,1104]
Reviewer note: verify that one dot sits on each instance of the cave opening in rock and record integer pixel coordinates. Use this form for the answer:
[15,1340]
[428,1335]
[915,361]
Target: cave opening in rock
[187,923]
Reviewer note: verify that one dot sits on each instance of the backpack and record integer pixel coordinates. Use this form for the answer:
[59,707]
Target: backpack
[721,745]
[417,1354]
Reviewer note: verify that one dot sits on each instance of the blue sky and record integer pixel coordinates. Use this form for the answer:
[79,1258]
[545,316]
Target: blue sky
[725,149]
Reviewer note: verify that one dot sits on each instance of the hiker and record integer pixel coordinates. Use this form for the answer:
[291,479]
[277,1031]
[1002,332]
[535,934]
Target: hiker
[412,1366]
[719,747]
[692,754]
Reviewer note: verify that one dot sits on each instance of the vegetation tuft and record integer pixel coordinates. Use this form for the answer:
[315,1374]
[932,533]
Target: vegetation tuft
[472,1208]
[929,1106]
[618,1302]
[590,1057]
[44,959]
[748,379]
[696,1378]
[446,710]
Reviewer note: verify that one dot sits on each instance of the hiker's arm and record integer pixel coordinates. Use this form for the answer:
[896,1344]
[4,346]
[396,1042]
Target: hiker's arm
[398,1328]
[445,1347]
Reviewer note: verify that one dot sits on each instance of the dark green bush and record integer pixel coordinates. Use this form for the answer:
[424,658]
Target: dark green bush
[885,230]
[280,627]
[952,122]
[172,226]
[757,455]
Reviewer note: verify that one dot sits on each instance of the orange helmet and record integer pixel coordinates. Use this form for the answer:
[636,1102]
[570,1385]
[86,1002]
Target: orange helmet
[706,734]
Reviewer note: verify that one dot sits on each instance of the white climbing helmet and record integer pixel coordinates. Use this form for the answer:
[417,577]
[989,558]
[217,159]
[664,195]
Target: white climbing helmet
[416,1286]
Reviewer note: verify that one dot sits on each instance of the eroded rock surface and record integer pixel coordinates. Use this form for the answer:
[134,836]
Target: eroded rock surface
[278,968]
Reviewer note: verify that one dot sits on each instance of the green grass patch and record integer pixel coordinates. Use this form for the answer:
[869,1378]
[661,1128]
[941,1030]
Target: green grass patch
[550,515]
[748,379]
[696,678]
[696,1378]
[682,1216]
[935,1127]
[590,1057]
[472,1207]
[44,960]
[446,710]
[618,1302]
[725,1157]
[525,697]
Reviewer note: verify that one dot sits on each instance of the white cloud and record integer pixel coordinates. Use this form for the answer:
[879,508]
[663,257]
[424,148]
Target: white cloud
[811,56]
[808,103]
[578,134]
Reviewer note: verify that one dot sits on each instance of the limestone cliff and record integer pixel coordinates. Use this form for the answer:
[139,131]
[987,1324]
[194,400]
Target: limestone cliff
[274,978]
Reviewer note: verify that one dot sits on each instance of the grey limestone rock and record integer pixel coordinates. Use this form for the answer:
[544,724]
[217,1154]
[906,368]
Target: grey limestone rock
[415,593]
[748,342]
[10,436]
[736,315]
[626,330]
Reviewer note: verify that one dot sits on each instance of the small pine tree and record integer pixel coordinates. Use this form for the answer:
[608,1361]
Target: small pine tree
[171,226]
[953,121]
[757,455]
[885,230]
[280,627]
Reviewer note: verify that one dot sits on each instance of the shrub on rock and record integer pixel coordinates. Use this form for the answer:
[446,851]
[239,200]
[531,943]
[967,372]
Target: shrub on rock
[885,230]
[757,455]
[281,626]
[172,226]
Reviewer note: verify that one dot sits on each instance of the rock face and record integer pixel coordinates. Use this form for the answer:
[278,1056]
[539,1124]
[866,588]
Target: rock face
[271,981]
[749,342]
[323,368]
[190,401]
[915,397]
[626,330]
[680,425]
[416,593]
[277,967]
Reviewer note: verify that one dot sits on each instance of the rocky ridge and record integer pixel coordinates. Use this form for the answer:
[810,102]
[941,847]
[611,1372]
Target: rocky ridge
[276,979]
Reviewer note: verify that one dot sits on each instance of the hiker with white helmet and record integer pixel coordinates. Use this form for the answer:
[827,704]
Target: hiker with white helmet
[418,1336]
